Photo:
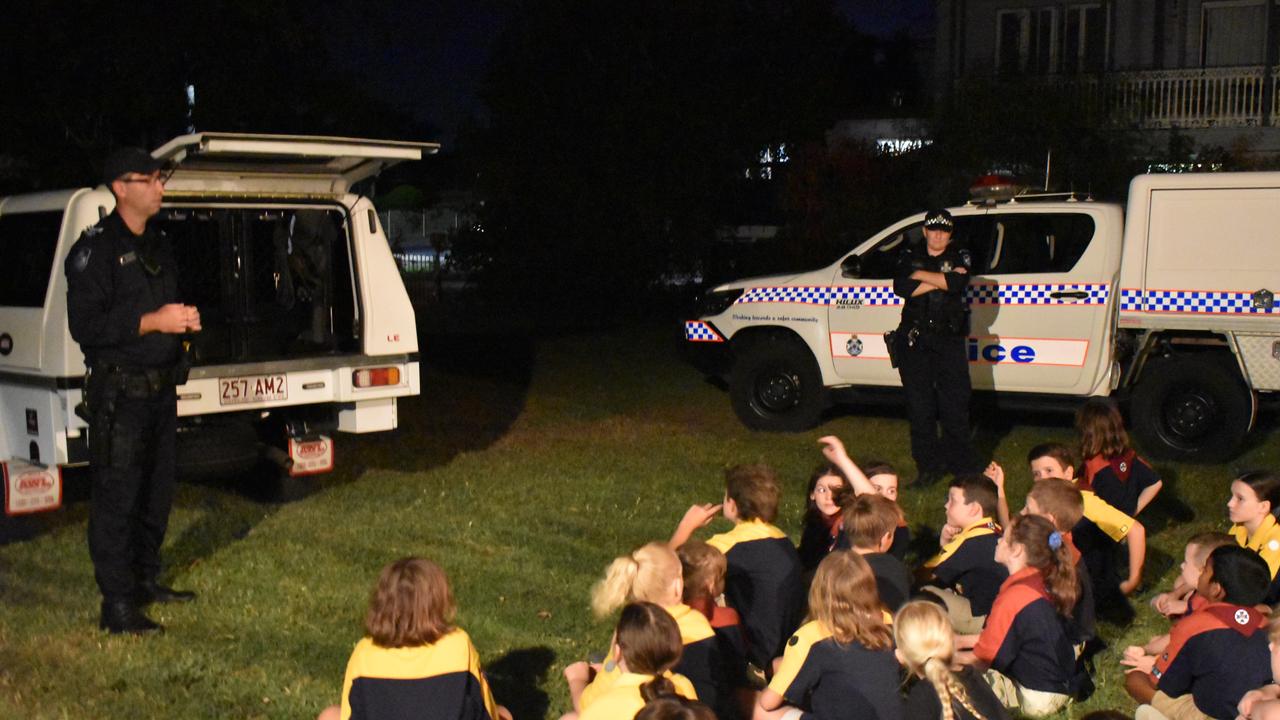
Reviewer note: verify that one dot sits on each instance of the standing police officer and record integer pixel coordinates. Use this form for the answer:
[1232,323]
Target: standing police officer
[932,279]
[123,309]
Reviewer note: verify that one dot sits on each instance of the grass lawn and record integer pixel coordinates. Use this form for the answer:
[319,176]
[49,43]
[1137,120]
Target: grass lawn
[523,473]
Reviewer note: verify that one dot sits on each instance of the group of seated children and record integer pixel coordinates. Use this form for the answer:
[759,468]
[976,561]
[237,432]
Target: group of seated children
[744,625]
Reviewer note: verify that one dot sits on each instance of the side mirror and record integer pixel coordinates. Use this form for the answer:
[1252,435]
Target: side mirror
[851,267]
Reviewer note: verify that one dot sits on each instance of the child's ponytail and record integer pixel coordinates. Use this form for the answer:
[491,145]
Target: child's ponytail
[648,574]
[1048,552]
[926,646]
[659,686]
[949,689]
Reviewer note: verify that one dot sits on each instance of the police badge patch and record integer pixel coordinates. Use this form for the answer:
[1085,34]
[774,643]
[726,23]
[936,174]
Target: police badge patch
[81,260]
[945,266]
[854,346]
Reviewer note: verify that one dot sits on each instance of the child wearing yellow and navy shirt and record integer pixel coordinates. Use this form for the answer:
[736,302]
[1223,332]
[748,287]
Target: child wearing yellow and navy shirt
[1255,498]
[1216,654]
[839,665]
[647,646]
[414,663]
[965,574]
[763,578]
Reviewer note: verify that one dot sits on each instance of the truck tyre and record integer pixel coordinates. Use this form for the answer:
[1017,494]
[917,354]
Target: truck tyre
[775,385]
[1191,408]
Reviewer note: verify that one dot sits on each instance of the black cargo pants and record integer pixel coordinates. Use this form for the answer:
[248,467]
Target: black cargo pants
[935,381]
[132,433]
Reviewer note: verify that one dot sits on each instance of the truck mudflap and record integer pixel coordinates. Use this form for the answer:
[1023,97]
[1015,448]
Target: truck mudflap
[31,488]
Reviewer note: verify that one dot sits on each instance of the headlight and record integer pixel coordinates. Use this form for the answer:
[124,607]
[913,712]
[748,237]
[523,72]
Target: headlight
[714,303]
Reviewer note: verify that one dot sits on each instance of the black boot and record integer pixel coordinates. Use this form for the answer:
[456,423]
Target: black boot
[124,616]
[150,591]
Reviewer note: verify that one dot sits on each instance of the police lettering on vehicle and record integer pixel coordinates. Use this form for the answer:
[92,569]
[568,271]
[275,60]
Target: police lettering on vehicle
[997,352]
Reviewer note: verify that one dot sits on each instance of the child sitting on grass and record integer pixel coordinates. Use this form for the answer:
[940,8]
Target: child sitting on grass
[869,523]
[704,569]
[647,646]
[1059,502]
[653,574]
[763,578]
[1255,500]
[926,647]
[1264,703]
[1097,536]
[879,478]
[1216,654]
[1111,467]
[1025,643]
[965,575]
[414,663]
[822,518]
[840,664]
[1179,601]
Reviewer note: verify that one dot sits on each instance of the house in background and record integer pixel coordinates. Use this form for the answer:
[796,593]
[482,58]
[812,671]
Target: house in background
[1205,68]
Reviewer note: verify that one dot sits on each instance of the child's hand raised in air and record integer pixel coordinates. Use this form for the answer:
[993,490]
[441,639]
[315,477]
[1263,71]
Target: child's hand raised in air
[996,473]
[833,450]
[697,516]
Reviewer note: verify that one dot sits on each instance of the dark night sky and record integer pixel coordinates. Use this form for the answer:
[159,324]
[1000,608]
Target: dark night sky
[429,58]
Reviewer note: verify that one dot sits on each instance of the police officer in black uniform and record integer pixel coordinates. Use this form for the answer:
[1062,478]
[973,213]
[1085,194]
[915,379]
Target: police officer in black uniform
[123,309]
[931,279]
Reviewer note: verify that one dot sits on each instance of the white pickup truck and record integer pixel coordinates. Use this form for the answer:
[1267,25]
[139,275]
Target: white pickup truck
[1169,305]
[307,326]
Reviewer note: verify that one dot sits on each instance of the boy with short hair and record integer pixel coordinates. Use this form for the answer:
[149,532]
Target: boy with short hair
[870,522]
[1216,654]
[1178,601]
[703,569]
[762,581]
[1097,534]
[965,574]
[1060,502]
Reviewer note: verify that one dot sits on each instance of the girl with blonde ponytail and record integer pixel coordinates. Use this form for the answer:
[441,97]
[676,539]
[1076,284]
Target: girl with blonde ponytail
[925,648]
[652,574]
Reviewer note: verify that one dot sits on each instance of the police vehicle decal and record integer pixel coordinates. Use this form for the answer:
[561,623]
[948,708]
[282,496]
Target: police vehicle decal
[854,296]
[987,350]
[1207,302]
[698,331]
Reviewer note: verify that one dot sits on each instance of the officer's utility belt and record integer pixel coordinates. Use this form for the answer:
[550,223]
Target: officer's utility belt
[136,382]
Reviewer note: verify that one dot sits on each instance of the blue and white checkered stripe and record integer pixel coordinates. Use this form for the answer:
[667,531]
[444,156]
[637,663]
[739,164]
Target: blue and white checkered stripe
[698,331]
[1192,301]
[984,294]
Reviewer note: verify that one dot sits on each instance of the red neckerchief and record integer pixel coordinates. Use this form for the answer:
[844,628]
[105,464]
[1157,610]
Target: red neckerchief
[1122,464]
[1242,619]
[704,605]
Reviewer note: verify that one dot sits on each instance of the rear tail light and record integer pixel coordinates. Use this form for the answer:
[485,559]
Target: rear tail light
[375,377]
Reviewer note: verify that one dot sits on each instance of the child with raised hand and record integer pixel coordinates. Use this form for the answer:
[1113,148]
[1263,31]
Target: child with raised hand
[1264,702]
[414,663]
[926,647]
[647,646]
[1111,467]
[1025,641]
[1178,601]
[964,575]
[840,664]
[653,574]
[763,580]
[877,477]
[1255,500]
[1216,654]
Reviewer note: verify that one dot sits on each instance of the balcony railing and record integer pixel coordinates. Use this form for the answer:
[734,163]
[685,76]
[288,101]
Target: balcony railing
[1161,99]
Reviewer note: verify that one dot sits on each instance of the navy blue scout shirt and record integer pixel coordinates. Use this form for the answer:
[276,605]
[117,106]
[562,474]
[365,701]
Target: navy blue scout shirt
[763,584]
[1026,639]
[113,278]
[838,681]
[1119,480]
[1217,653]
[968,565]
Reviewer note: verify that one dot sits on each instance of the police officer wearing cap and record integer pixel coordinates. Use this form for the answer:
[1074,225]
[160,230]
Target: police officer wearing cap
[124,310]
[931,279]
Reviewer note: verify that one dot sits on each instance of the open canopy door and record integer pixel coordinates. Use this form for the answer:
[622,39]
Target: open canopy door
[238,163]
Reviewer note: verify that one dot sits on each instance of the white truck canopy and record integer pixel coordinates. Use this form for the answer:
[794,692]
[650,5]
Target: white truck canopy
[236,163]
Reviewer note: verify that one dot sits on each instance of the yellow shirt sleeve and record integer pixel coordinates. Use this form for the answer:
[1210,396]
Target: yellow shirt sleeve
[1108,519]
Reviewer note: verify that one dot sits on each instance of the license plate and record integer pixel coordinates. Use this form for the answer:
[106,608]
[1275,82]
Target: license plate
[252,389]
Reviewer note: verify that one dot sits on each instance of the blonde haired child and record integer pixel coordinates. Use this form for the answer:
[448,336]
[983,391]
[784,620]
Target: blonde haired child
[926,646]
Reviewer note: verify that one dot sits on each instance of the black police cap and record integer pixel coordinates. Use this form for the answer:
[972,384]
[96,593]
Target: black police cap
[127,160]
[938,219]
